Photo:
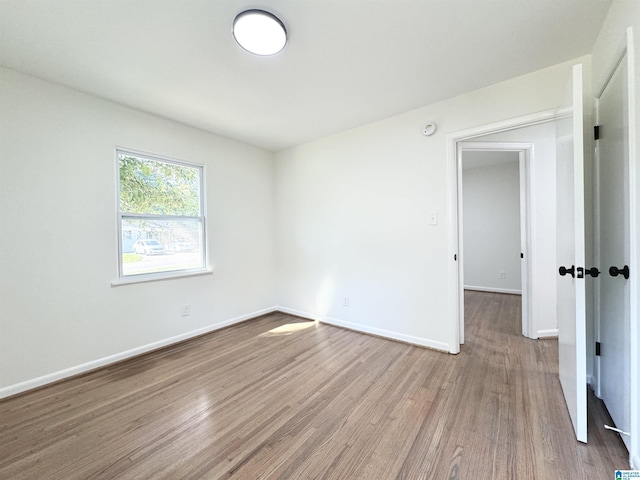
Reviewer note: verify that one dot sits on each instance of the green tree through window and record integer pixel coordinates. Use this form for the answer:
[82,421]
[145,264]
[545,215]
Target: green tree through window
[151,186]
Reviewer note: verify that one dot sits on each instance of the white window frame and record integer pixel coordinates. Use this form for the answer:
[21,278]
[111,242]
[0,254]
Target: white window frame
[121,216]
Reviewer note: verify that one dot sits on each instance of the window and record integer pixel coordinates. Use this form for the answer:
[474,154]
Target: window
[161,216]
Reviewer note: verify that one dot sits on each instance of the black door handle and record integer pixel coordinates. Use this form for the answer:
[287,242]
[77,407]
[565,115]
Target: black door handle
[593,271]
[615,271]
[564,270]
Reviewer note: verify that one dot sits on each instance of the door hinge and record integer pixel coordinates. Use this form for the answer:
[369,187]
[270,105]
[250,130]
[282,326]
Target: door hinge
[597,349]
[596,132]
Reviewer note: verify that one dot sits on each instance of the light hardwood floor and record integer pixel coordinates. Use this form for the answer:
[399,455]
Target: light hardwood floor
[279,397]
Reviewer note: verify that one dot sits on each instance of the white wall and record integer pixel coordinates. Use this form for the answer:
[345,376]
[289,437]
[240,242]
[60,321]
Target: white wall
[58,244]
[491,205]
[353,209]
[606,52]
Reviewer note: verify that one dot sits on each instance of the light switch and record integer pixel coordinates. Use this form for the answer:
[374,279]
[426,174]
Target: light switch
[433,218]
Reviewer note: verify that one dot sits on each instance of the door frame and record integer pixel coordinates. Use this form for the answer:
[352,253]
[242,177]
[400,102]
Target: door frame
[456,287]
[525,153]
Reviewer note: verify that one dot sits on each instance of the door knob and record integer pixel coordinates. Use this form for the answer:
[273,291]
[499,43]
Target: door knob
[615,271]
[593,271]
[564,270]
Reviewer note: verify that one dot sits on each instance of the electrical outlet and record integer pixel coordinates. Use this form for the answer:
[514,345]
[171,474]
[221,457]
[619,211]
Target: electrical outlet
[503,275]
[186,309]
[345,302]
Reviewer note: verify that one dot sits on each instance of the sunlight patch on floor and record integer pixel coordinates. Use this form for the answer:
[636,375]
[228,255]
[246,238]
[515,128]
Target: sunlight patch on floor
[289,328]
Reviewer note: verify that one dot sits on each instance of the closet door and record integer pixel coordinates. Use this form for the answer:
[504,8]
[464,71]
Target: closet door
[613,248]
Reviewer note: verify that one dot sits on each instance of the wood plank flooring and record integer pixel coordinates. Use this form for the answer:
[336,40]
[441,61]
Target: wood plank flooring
[281,398]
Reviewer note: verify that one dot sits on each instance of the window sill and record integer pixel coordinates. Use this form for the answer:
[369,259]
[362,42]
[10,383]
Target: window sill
[155,277]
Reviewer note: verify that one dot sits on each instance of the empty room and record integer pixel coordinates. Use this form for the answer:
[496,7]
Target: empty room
[352,239]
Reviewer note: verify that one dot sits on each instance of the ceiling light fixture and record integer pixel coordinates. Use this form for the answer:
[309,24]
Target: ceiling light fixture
[259,32]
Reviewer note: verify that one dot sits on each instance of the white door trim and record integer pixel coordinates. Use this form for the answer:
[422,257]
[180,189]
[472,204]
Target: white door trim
[456,335]
[634,228]
[525,153]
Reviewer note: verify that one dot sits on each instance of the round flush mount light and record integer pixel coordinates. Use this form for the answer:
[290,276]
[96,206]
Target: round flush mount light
[259,32]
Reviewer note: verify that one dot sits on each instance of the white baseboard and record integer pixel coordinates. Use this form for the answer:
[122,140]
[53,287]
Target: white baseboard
[590,380]
[298,313]
[552,332]
[422,342]
[493,290]
[101,362]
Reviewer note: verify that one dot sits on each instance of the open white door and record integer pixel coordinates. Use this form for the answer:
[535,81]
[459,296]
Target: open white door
[571,260]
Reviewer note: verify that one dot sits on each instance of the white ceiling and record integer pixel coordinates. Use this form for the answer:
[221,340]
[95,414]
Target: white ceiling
[347,63]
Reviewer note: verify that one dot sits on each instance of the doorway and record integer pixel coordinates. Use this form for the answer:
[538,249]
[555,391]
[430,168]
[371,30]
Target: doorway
[493,188]
[524,134]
